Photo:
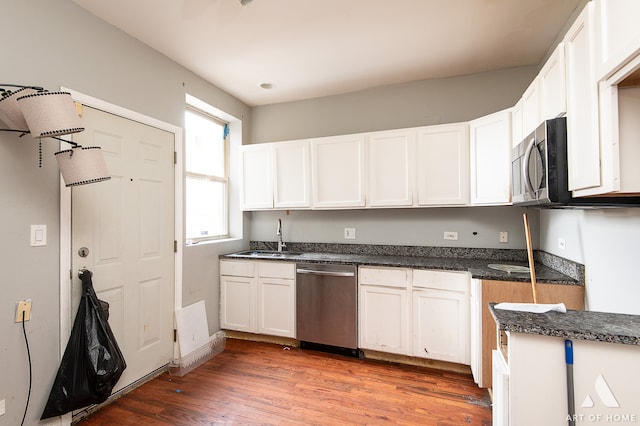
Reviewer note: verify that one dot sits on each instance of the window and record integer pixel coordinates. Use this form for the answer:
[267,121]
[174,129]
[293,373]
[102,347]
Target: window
[206,171]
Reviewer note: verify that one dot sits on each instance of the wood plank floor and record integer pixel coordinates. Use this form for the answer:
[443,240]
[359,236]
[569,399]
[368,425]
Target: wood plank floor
[266,384]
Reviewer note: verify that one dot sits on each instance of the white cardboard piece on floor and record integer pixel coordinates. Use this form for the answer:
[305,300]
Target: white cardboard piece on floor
[193,331]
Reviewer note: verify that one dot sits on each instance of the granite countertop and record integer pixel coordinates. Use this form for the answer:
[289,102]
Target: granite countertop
[581,325]
[476,266]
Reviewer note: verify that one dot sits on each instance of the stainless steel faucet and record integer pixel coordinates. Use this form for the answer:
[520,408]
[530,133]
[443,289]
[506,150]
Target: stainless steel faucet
[281,245]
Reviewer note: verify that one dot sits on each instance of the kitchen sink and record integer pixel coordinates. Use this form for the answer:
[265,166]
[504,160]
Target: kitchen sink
[266,254]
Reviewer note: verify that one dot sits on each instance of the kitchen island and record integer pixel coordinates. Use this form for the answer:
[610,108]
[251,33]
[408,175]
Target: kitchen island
[530,379]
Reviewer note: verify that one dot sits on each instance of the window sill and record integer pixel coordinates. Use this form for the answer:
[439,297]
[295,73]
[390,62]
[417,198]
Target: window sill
[208,242]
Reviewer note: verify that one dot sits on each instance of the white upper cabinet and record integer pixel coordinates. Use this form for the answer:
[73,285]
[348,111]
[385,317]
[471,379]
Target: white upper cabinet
[391,168]
[292,174]
[553,86]
[583,144]
[276,175]
[531,107]
[490,139]
[443,165]
[545,98]
[338,173]
[256,172]
[619,99]
[516,124]
[618,34]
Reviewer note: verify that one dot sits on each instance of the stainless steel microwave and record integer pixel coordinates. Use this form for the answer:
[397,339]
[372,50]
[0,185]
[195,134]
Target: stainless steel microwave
[540,175]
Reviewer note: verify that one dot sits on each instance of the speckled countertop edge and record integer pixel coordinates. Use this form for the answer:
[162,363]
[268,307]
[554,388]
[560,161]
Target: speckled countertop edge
[470,260]
[582,325]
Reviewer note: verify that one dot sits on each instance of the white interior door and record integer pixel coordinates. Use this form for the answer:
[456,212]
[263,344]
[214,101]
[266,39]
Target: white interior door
[127,225]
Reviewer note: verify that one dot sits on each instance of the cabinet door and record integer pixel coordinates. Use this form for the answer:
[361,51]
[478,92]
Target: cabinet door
[490,139]
[440,325]
[531,107]
[391,168]
[475,330]
[384,319]
[256,171]
[500,374]
[238,303]
[553,87]
[443,165]
[516,129]
[292,174]
[618,34]
[583,142]
[277,307]
[338,171]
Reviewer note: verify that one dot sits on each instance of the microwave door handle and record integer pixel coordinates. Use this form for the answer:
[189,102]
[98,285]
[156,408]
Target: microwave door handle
[525,168]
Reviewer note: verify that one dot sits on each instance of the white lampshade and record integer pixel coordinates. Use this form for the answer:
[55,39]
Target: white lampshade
[10,111]
[82,165]
[50,114]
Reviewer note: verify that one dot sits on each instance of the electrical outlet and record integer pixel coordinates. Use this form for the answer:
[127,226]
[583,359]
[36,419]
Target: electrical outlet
[450,235]
[349,233]
[562,244]
[504,237]
[23,306]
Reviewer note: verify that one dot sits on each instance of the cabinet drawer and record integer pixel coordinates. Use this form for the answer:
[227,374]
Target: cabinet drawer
[237,268]
[277,270]
[388,277]
[441,280]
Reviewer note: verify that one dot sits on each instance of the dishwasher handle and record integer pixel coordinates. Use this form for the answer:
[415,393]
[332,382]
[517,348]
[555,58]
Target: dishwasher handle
[329,273]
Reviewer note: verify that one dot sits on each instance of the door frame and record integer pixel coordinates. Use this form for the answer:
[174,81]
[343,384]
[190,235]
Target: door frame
[65,214]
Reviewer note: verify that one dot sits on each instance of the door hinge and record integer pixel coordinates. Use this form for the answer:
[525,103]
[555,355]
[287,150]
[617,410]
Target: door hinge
[175,246]
[78,106]
[175,335]
[70,274]
[175,157]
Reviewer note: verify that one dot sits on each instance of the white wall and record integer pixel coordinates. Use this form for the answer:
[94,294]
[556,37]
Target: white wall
[53,44]
[607,242]
[420,103]
[410,227]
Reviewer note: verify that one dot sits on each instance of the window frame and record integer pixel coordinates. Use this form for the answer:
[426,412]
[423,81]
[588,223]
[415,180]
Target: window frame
[212,178]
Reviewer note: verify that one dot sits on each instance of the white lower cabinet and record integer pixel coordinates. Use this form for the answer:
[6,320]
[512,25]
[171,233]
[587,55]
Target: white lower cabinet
[258,297]
[388,332]
[277,300]
[530,385]
[238,303]
[384,318]
[438,332]
[415,312]
[441,316]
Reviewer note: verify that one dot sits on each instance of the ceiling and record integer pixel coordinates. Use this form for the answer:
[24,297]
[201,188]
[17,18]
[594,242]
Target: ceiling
[314,48]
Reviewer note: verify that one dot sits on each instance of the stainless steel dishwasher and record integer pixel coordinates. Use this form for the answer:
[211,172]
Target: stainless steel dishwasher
[327,305]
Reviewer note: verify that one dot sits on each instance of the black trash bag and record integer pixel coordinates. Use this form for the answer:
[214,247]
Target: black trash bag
[92,362]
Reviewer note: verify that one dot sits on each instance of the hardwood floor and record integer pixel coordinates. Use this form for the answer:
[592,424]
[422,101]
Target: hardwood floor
[261,383]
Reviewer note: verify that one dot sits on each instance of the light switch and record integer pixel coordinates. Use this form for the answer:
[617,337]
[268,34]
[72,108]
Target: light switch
[38,235]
